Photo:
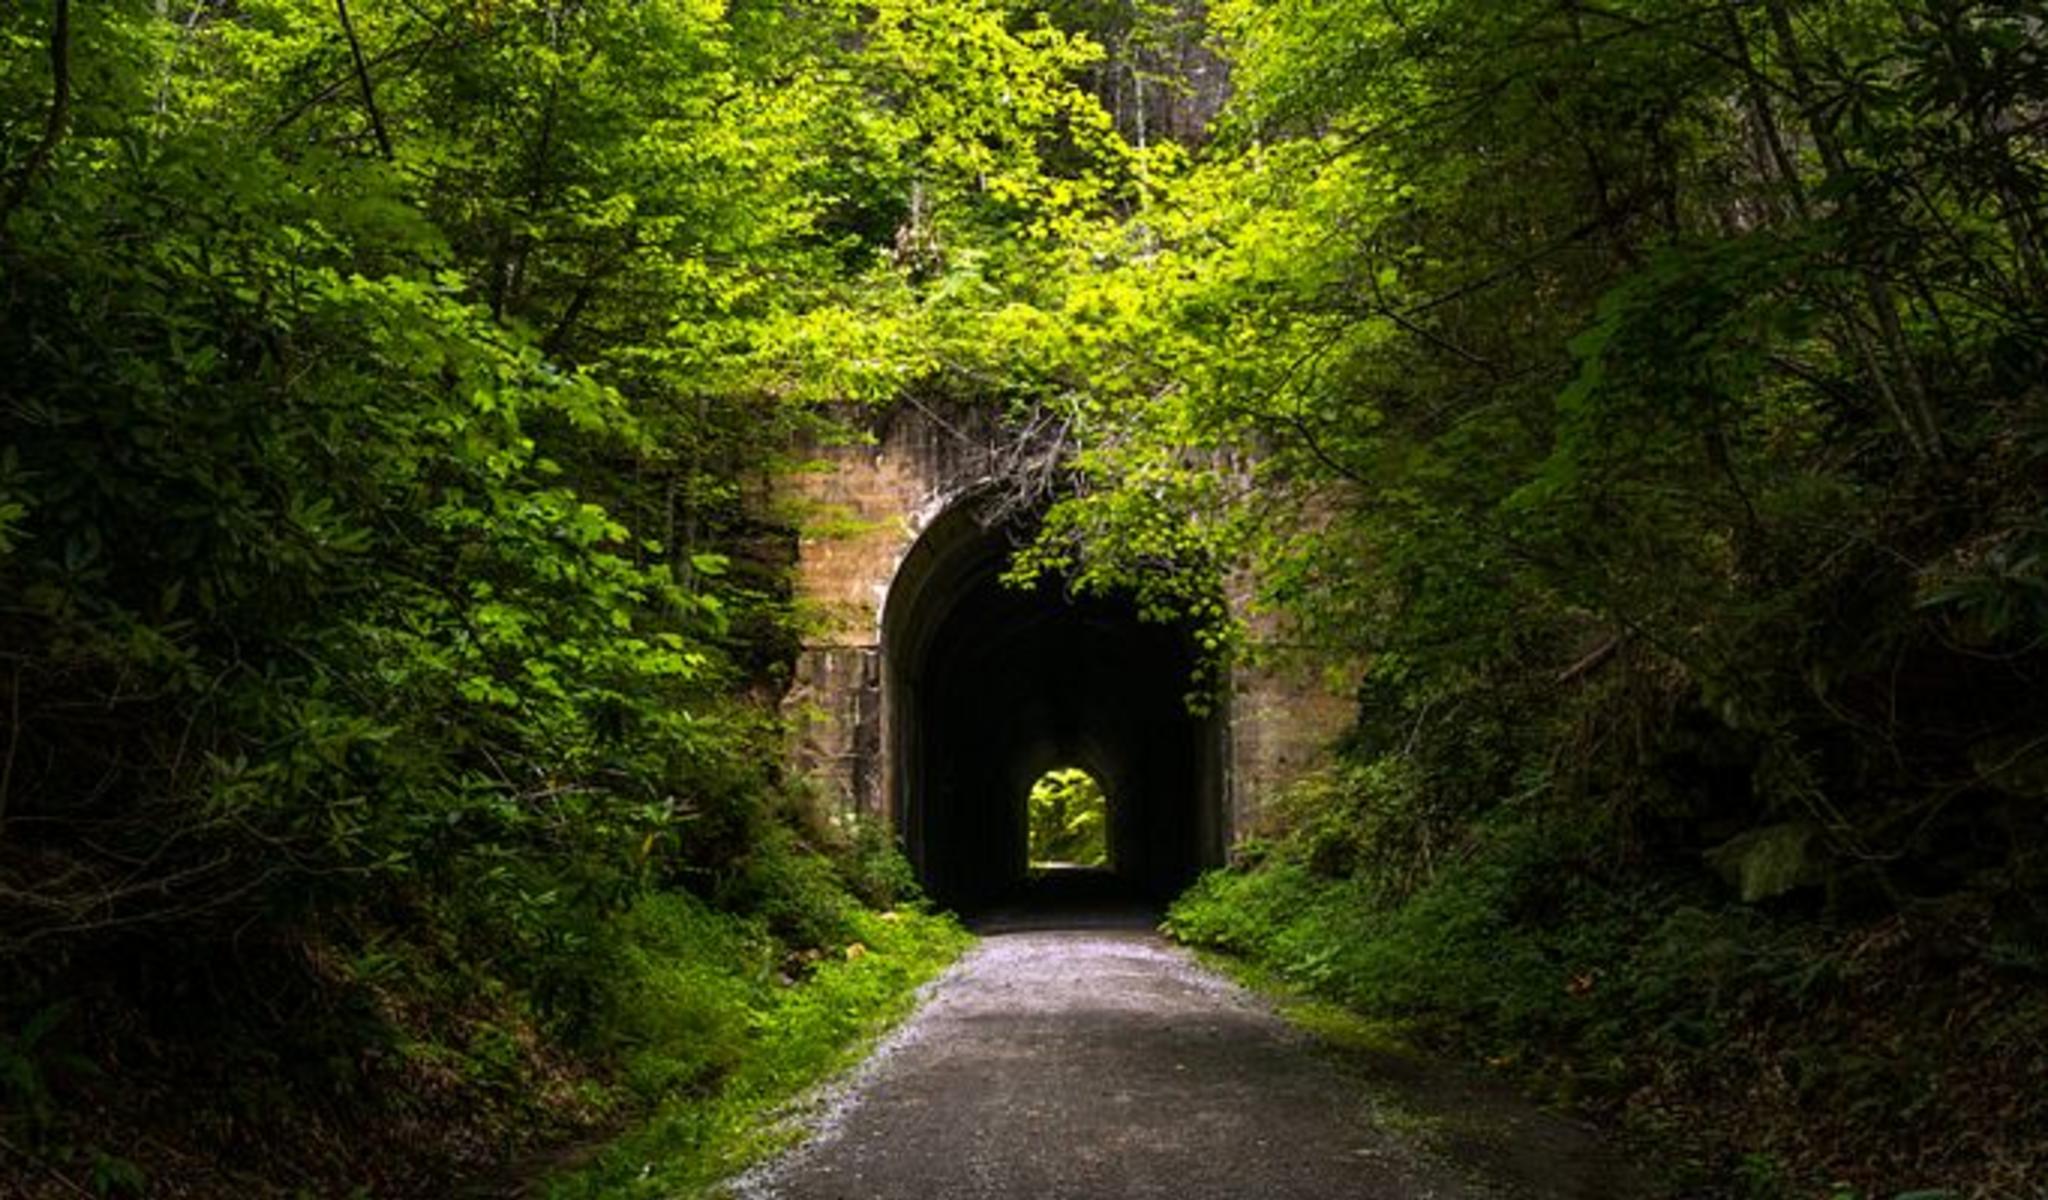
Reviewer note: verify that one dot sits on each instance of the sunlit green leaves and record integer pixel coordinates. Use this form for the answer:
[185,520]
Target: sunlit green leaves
[1493,342]
[1067,819]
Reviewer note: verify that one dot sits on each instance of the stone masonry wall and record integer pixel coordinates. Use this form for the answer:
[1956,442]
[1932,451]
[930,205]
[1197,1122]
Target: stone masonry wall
[859,513]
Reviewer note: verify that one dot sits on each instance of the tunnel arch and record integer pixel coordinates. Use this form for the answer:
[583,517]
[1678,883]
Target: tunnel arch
[985,687]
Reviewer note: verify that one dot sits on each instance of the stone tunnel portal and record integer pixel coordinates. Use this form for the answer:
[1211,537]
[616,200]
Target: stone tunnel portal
[988,686]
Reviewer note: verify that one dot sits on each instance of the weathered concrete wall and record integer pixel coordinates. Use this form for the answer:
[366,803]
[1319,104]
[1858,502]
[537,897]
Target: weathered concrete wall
[860,513]
[1283,717]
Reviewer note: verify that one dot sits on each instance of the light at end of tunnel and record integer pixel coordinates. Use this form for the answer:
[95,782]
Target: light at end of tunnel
[1068,817]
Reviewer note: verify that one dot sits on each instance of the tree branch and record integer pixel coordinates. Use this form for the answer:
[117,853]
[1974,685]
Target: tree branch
[355,49]
[13,742]
[59,116]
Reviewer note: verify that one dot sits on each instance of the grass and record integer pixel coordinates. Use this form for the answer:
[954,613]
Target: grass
[1346,1029]
[719,1036]
[1754,1052]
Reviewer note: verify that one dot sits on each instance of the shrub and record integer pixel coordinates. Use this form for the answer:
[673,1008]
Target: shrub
[875,870]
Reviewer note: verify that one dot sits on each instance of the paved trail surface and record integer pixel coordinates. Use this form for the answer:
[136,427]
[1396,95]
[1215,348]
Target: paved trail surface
[1105,1064]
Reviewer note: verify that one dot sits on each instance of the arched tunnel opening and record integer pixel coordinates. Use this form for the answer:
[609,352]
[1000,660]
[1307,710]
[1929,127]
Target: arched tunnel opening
[988,687]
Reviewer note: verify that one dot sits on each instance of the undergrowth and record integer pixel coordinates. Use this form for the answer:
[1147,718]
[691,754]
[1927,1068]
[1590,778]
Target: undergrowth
[422,1059]
[719,1049]
[1760,1052]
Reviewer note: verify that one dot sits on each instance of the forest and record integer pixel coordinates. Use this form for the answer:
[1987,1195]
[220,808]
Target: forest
[1640,407]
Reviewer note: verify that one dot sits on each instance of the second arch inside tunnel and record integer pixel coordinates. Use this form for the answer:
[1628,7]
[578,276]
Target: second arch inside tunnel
[988,687]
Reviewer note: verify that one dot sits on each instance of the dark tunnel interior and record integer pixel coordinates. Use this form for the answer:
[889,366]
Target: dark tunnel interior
[990,686]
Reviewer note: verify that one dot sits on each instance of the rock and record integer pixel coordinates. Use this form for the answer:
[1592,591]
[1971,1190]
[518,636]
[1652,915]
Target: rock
[1769,861]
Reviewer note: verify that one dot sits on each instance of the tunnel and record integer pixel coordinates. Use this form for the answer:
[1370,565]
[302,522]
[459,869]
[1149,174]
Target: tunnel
[988,686]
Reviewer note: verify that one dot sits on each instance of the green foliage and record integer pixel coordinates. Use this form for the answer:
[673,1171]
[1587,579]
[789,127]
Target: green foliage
[723,1040]
[695,995]
[875,870]
[29,1056]
[1067,819]
[1654,1000]
[1449,954]
[799,894]
[1640,406]
[1597,386]
[393,614]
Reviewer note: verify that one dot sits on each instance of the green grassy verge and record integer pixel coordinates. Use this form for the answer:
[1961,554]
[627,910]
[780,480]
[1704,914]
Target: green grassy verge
[1346,1029]
[720,1036]
[1754,1052]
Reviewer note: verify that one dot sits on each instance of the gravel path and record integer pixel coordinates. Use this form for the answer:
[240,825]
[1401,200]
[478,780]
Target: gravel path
[1105,1064]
